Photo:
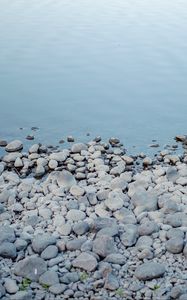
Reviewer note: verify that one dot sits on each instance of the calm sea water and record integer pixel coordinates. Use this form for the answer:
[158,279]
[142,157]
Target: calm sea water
[111,68]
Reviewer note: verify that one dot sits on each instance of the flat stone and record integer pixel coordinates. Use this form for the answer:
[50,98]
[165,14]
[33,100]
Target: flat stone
[31,267]
[116,258]
[149,271]
[85,261]
[14,146]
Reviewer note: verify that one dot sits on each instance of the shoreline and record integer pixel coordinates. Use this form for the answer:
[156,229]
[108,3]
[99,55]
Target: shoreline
[92,222]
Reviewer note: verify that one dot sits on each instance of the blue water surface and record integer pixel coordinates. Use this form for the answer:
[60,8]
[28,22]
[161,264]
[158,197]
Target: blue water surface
[110,68]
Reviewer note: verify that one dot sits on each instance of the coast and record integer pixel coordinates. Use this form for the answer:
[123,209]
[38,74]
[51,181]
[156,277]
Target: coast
[91,222]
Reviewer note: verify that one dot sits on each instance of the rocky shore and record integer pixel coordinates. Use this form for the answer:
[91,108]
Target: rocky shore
[92,223]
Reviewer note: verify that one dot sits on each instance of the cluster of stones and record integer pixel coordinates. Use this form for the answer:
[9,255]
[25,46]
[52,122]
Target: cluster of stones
[92,223]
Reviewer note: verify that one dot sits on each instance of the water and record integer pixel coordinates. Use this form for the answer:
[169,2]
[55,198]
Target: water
[111,68]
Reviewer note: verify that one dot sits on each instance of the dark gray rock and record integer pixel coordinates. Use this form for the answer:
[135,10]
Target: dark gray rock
[8,250]
[7,234]
[149,271]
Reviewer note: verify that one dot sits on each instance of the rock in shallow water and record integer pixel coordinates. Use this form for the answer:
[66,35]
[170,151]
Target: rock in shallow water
[14,146]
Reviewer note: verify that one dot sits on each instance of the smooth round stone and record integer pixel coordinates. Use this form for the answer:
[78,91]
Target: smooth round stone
[53,164]
[175,245]
[78,147]
[14,146]
[65,179]
[75,215]
[50,252]
[10,286]
[76,191]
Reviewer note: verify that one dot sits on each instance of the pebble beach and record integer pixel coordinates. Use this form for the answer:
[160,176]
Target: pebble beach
[92,223]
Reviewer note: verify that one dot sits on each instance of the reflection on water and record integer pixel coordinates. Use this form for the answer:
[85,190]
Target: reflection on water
[104,67]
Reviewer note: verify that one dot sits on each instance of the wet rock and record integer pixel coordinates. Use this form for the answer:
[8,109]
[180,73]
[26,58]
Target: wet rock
[14,146]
